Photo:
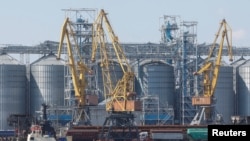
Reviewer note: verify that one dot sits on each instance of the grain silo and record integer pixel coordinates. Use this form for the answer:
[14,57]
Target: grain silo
[157,79]
[224,93]
[244,88]
[46,82]
[236,64]
[12,89]
[157,83]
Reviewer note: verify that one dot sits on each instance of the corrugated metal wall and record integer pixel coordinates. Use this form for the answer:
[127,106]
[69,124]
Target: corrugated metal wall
[224,93]
[244,88]
[47,83]
[236,64]
[158,79]
[12,89]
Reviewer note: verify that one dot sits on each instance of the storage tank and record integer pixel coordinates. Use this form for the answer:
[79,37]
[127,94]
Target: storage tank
[224,93]
[46,82]
[236,64]
[12,89]
[244,88]
[157,79]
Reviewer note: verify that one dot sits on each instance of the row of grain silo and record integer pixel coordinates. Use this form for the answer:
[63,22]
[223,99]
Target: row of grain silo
[19,95]
[47,79]
[157,78]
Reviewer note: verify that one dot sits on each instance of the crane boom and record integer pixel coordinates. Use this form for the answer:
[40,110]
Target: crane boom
[210,71]
[211,68]
[120,97]
[78,69]
[76,66]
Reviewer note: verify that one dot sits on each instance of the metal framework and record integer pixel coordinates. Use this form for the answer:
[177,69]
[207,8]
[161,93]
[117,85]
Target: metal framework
[132,50]
[210,72]
[119,96]
[189,39]
[152,114]
[167,49]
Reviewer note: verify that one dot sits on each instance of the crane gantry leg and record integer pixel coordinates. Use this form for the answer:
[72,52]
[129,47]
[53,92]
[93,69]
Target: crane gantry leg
[119,126]
[198,117]
[207,115]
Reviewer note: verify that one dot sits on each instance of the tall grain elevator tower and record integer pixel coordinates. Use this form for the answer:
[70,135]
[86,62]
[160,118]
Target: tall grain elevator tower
[181,37]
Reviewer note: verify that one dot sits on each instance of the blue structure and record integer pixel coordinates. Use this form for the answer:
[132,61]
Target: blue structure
[154,119]
[168,32]
[7,133]
[62,119]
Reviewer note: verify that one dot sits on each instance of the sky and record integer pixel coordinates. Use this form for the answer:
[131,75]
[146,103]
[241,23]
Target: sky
[30,22]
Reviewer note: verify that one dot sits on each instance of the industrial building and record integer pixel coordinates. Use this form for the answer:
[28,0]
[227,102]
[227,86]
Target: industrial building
[164,82]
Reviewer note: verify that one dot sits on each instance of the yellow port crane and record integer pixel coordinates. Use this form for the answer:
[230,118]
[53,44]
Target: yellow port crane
[77,68]
[120,97]
[210,71]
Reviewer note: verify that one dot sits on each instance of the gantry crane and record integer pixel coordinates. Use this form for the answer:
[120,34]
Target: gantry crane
[210,71]
[78,71]
[120,97]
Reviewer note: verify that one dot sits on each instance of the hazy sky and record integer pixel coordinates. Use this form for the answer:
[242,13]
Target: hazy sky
[29,22]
